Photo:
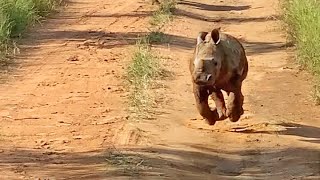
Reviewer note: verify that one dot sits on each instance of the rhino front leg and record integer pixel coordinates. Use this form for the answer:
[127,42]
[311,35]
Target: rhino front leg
[201,96]
[234,106]
[218,98]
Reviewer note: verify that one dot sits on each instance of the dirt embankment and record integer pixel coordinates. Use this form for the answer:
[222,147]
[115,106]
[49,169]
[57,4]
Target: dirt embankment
[63,106]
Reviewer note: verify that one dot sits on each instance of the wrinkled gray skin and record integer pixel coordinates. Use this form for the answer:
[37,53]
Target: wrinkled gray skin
[219,63]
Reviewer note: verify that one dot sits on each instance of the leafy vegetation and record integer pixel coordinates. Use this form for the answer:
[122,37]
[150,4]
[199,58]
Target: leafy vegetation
[17,15]
[157,37]
[143,69]
[145,66]
[164,13]
[303,19]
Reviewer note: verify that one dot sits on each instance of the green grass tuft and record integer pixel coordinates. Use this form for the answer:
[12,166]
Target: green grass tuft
[303,19]
[17,15]
[164,13]
[45,7]
[143,69]
[157,37]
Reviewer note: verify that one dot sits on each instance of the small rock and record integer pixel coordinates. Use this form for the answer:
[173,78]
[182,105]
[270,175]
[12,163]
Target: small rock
[77,137]
[88,43]
[43,143]
[107,110]
[58,162]
[286,67]
[49,153]
[65,141]
[73,58]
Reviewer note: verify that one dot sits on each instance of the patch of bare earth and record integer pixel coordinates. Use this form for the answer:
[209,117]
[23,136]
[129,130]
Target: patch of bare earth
[63,106]
[65,97]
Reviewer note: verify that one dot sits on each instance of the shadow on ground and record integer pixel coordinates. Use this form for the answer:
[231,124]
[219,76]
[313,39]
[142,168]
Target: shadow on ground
[209,7]
[306,132]
[180,12]
[264,47]
[6,66]
[198,162]
[104,39]
[226,20]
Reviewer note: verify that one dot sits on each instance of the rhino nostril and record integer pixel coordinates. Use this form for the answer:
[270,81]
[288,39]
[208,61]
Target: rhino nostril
[208,77]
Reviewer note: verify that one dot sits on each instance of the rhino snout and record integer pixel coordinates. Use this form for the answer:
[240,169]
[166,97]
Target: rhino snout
[203,78]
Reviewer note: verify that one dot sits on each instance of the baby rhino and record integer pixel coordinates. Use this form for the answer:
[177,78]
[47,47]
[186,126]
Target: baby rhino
[219,63]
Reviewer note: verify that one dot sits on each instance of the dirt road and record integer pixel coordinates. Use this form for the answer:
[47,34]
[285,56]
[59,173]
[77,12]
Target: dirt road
[63,104]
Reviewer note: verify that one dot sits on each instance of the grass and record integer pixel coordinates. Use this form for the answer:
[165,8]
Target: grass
[303,19]
[143,69]
[17,15]
[145,66]
[164,13]
[157,37]
[126,163]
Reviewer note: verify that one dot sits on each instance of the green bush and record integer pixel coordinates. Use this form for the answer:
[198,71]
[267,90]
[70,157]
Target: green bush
[44,7]
[303,19]
[17,15]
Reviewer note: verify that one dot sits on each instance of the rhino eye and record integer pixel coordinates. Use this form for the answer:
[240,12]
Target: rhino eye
[215,63]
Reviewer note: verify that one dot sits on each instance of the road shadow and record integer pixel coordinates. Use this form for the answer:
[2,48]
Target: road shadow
[163,162]
[7,66]
[291,129]
[104,39]
[253,47]
[82,39]
[209,7]
[180,12]
[226,20]
[139,14]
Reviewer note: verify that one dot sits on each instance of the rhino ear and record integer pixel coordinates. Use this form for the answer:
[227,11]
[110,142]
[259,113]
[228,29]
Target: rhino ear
[215,35]
[201,37]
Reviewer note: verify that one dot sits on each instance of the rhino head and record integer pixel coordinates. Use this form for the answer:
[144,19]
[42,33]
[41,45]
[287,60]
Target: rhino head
[207,59]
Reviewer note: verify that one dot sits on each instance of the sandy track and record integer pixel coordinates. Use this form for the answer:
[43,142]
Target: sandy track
[63,105]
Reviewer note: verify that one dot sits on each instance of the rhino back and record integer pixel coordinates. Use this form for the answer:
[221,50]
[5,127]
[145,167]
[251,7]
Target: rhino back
[234,54]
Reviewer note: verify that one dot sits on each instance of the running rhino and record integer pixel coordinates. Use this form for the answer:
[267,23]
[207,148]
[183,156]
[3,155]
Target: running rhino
[219,63]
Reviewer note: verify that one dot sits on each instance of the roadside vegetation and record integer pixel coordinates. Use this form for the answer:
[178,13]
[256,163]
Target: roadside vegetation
[16,16]
[164,13]
[145,66]
[303,20]
[142,71]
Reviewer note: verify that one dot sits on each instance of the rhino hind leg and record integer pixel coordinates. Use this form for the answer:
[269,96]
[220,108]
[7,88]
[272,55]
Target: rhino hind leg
[235,99]
[201,97]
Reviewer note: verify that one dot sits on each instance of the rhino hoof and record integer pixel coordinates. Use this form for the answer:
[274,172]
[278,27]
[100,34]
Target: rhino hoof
[210,122]
[234,114]
[234,118]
